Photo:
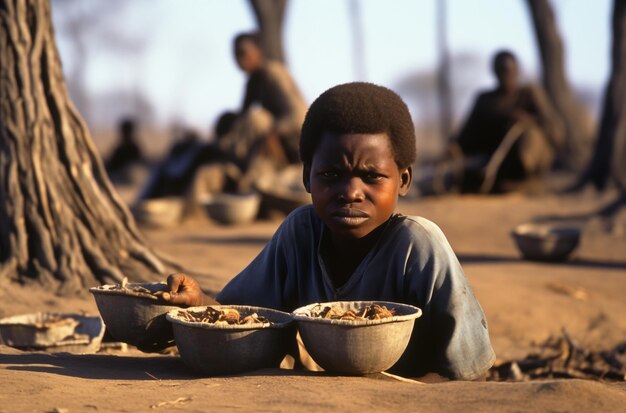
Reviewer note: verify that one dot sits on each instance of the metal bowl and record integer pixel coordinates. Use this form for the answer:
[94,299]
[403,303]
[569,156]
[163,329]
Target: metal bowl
[232,208]
[159,212]
[356,347]
[53,332]
[134,318]
[229,349]
[546,242]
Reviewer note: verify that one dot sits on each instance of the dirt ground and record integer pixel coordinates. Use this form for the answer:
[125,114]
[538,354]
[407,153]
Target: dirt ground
[525,302]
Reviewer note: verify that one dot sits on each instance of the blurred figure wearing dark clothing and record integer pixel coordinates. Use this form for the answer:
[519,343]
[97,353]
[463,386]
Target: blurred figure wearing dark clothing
[125,155]
[273,108]
[496,111]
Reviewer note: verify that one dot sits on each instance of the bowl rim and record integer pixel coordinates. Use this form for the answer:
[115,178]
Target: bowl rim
[128,293]
[78,319]
[172,316]
[66,319]
[300,314]
[545,231]
[224,197]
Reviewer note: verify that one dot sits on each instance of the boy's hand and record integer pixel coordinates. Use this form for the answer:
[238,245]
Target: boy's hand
[185,291]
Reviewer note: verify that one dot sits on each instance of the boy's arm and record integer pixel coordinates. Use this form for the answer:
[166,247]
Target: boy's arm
[452,335]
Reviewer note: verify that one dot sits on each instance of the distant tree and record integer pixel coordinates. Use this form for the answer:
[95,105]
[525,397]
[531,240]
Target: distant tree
[608,162]
[574,154]
[609,155]
[60,218]
[270,16]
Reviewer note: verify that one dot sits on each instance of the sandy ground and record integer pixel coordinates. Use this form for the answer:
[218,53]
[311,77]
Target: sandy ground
[525,302]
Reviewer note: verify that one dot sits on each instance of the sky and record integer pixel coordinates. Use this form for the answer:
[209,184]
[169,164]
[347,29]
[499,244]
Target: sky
[181,58]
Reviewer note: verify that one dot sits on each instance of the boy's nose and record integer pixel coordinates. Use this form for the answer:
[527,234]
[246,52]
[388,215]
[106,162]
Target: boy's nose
[351,191]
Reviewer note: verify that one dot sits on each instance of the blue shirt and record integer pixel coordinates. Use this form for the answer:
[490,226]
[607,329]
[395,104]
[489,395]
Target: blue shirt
[412,263]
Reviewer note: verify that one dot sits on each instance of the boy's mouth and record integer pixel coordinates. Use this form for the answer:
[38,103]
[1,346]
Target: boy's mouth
[349,216]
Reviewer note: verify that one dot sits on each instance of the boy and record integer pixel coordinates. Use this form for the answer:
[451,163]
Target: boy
[357,146]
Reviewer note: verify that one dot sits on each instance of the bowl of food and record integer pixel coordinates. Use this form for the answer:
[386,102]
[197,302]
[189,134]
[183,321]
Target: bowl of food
[232,208]
[356,337]
[135,314]
[53,332]
[230,339]
[159,212]
[541,242]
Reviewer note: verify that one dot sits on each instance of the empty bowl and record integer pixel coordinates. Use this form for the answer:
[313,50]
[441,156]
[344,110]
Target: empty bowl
[546,242]
[53,332]
[134,317]
[356,346]
[229,349]
[232,208]
[283,191]
[159,212]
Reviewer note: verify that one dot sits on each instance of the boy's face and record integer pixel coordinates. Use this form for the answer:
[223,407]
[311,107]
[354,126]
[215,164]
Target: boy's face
[355,182]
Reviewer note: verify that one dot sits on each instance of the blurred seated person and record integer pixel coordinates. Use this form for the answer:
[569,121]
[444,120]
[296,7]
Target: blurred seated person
[273,109]
[526,107]
[126,153]
[174,175]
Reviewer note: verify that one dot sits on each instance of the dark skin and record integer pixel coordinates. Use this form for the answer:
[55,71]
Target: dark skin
[354,183]
[248,56]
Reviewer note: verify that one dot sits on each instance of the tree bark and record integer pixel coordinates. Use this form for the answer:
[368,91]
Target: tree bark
[61,221]
[609,155]
[577,142]
[270,15]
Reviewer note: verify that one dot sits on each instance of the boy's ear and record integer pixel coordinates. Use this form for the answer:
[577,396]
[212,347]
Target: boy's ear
[406,176]
[306,177]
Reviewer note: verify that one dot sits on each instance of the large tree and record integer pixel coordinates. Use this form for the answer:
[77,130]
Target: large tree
[60,218]
[270,16]
[552,52]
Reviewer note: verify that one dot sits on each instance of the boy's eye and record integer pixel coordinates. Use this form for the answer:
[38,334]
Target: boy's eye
[372,176]
[329,175]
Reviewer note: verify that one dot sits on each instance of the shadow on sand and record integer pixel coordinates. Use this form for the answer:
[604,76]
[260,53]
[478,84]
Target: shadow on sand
[574,262]
[250,240]
[113,367]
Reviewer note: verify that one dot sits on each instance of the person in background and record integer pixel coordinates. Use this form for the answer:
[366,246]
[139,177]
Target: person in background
[127,152]
[273,109]
[493,115]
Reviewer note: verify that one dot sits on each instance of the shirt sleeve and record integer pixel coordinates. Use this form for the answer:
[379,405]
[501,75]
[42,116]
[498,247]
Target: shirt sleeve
[261,282]
[453,332]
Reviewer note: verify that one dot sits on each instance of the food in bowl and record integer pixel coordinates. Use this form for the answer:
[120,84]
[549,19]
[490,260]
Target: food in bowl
[53,332]
[354,345]
[367,312]
[135,314]
[218,348]
[227,316]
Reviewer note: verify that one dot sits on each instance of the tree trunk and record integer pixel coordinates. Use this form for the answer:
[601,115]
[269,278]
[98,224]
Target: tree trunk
[269,15]
[609,154]
[61,221]
[551,49]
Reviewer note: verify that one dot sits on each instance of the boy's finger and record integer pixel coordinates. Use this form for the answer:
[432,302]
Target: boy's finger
[175,280]
[174,298]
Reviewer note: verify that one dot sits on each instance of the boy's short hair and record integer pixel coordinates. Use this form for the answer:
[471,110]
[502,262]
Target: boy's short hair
[253,37]
[360,107]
